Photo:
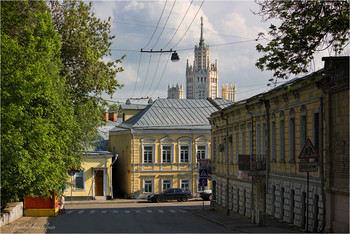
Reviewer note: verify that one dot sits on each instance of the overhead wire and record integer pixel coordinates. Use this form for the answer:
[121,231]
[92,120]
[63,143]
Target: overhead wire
[155,73]
[137,76]
[189,25]
[161,77]
[179,24]
[164,24]
[161,15]
[144,82]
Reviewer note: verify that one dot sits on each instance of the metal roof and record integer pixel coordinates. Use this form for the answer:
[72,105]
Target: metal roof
[175,114]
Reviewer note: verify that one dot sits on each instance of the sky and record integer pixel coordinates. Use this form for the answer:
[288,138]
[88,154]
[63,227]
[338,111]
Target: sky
[230,29]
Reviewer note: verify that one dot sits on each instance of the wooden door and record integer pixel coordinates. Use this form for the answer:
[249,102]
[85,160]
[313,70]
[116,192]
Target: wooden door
[99,183]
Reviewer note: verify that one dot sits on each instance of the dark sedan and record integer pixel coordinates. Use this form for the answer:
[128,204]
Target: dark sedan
[181,195]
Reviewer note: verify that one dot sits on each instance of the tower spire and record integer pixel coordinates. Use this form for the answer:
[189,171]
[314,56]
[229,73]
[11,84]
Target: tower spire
[201,41]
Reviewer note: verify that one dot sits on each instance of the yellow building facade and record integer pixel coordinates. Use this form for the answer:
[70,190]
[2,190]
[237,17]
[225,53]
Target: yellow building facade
[93,180]
[256,170]
[159,148]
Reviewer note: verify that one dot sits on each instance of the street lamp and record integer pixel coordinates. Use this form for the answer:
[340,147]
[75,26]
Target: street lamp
[174,55]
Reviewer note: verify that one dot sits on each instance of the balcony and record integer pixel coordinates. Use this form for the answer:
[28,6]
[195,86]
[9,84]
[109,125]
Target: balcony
[255,164]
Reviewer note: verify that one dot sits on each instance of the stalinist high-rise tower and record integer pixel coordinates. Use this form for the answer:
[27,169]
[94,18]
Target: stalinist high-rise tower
[202,77]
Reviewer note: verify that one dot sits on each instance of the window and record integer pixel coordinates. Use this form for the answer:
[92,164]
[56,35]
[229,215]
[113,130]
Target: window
[291,139]
[242,139]
[184,149]
[185,185]
[166,184]
[273,199]
[236,146]
[281,140]
[201,152]
[316,131]
[148,186]
[273,141]
[79,180]
[302,131]
[263,139]
[282,203]
[257,148]
[166,154]
[292,206]
[147,154]
[250,136]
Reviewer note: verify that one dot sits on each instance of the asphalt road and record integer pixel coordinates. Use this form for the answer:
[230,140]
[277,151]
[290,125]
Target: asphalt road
[143,217]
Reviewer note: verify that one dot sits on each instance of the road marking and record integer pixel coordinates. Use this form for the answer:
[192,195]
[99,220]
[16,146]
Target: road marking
[138,211]
[127,212]
[183,211]
[81,211]
[104,212]
[69,212]
[172,211]
[92,211]
[161,211]
[115,211]
[149,211]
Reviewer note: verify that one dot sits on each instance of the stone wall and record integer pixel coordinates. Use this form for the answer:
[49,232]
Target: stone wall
[11,213]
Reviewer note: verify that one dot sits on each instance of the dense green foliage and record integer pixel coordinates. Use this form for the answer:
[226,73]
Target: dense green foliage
[306,27]
[52,77]
[86,41]
[37,121]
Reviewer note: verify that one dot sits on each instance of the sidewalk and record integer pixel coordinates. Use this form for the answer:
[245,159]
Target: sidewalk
[237,223]
[117,200]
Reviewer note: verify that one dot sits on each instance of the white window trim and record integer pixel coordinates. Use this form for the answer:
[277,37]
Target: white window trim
[185,141]
[144,183]
[143,153]
[188,152]
[202,141]
[84,182]
[162,184]
[189,183]
[148,141]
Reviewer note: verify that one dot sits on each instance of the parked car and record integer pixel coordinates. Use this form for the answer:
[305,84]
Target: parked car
[181,195]
[206,195]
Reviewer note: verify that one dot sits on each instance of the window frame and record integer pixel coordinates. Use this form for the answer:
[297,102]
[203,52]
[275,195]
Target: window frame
[149,159]
[148,182]
[75,188]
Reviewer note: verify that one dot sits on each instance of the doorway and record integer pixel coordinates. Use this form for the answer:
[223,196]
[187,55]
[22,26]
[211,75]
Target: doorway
[99,183]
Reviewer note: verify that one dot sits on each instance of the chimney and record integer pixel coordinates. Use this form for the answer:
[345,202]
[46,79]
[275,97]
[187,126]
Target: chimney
[112,116]
[106,116]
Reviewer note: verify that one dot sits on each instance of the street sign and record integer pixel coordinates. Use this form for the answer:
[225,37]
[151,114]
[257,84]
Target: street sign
[308,166]
[203,163]
[203,173]
[308,151]
[203,181]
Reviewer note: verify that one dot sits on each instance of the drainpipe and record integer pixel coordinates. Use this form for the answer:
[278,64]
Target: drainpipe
[267,150]
[111,169]
[322,165]
[133,163]
[227,165]
[251,160]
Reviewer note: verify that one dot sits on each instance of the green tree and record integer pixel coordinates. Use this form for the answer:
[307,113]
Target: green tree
[38,143]
[113,107]
[86,42]
[306,27]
